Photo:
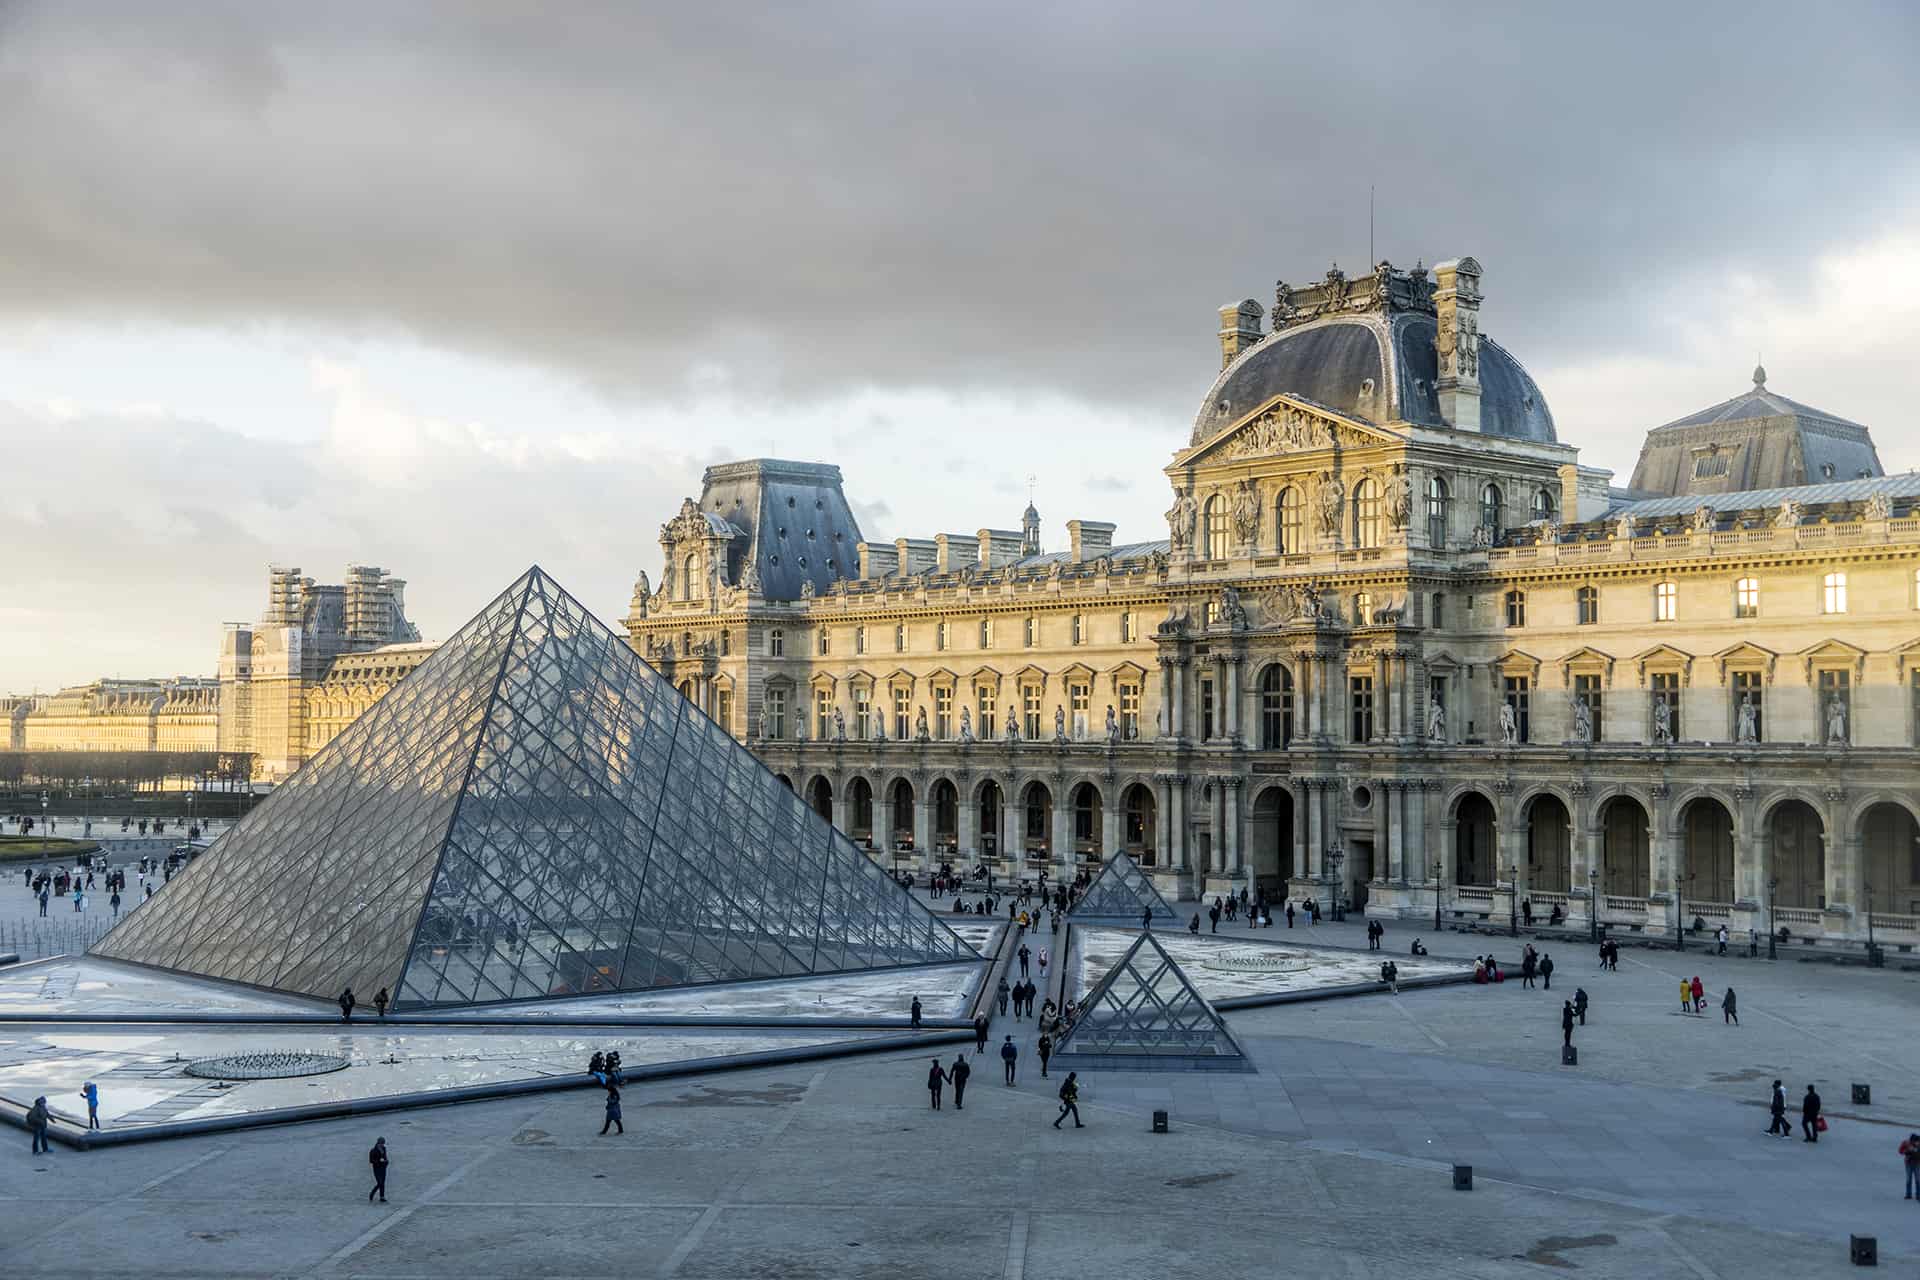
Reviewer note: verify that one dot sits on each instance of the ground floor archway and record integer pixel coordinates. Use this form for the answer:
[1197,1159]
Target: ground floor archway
[1797,840]
[1890,859]
[1473,849]
[987,812]
[1139,829]
[860,811]
[1626,868]
[900,814]
[1088,814]
[946,817]
[1706,843]
[1549,846]
[1037,823]
[1270,838]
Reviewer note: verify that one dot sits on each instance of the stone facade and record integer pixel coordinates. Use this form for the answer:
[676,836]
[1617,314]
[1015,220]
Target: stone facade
[122,715]
[1398,639]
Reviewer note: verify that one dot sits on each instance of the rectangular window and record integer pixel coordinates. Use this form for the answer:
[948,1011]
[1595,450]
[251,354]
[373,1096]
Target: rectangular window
[943,713]
[1127,633]
[986,633]
[1210,613]
[859,639]
[985,709]
[825,644]
[1033,632]
[1206,707]
[1079,708]
[822,715]
[1836,692]
[1360,694]
[1588,601]
[863,714]
[1913,703]
[1130,708]
[1749,707]
[1030,712]
[1516,608]
[902,713]
[1833,593]
[776,726]
[900,638]
[1666,602]
[1586,689]
[776,643]
[1746,598]
[724,712]
[1666,693]
[1439,609]
[1519,697]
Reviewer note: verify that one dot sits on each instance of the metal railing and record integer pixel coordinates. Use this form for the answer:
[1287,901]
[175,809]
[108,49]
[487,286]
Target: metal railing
[35,939]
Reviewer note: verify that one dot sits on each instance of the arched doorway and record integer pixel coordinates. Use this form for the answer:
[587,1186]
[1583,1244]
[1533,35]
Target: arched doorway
[1139,832]
[1270,838]
[1890,859]
[946,817]
[1276,707]
[1549,846]
[1706,837]
[1625,865]
[900,814]
[1037,823]
[1087,837]
[1473,827]
[860,812]
[820,797]
[989,818]
[785,781]
[1798,860]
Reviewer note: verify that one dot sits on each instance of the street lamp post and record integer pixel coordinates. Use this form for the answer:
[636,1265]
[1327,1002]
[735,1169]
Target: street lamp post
[1772,885]
[44,798]
[1593,902]
[1513,900]
[1335,856]
[1439,878]
[1680,918]
[1869,888]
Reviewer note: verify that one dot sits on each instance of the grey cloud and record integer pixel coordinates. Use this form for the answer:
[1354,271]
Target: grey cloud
[980,196]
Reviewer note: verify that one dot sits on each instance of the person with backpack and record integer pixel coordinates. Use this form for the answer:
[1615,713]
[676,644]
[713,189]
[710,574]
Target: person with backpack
[1069,1100]
[39,1118]
[1009,1055]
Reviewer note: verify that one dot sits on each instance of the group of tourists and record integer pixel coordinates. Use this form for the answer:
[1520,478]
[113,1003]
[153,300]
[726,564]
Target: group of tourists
[381,1003]
[1020,996]
[960,1071]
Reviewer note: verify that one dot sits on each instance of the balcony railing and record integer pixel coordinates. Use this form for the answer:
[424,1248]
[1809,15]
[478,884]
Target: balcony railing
[1797,915]
[1709,910]
[1896,924]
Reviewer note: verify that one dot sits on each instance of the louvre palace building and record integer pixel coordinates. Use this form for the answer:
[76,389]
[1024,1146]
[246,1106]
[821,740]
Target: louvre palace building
[1397,642]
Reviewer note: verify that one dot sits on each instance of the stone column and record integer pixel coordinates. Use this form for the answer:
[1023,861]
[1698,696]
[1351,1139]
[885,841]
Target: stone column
[1169,707]
[1231,668]
[1840,857]
[966,825]
[1749,869]
[1109,828]
[1012,825]
[1179,720]
[840,806]
[1316,825]
[1386,710]
[1418,861]
[1163,819]
[923,826]
[1177,822]
[1234,862]
[1302,798]
[1390,817]
[1062,834]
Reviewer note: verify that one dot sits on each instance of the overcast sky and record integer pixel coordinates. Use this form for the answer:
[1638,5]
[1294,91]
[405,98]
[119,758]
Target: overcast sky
[454,289]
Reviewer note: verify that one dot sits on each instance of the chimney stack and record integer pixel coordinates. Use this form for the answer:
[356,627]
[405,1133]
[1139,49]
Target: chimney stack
[1239,329]
[1456,301]
[1088,540]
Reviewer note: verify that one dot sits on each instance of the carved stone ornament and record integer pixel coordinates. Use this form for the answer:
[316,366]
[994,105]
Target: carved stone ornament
[1180,521]
[688,524]
[1703,519]
[966,725]
[1509,727]
[1399,496]
[806,588]
[1246,513]
[750,580]
[1329,496]
[1232,612]
[1013,726]
[1788,517]
[1879,507]
[642,595]
[1281,430]
[1623,528]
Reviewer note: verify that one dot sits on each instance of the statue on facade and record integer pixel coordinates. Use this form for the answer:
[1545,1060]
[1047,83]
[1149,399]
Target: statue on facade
[1788,516]
[1623,528]
[1246,514]
[1509,727]
[806,588]
[1662,721]
[750,579]
[920,733]
[800,726]
[1748,727]
[1059,724]
[1329,493]
[839,725]
[1879,507]
[1232,612]
[642,595]
[1013,726]
[1703,519]
[1836,721]
[1180,520]
[1582,719]
[966,725]
[1113,725]
[1436,720]
[1311,603]
[666,578]
[1399,495]
[880,728]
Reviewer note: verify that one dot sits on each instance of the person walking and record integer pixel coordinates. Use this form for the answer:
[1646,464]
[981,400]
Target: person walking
[91,1092]
[1810,1116]
[377,1157]
[1289,913]
[1910,1155]
[1686,996]
[958,1073]
[1778,1106]
[1546,971]
[914,1014]
[935,1079]
[1729,1008]
[1699,990]
[1146,922]
[1045,1049]
[1069,1100]
[1580,1004]
[1009,1055]
[346,1004]
[1001,994]
[380,1002]
[1046,955]
[980,1033]
[1720,935]
[114,902]
[613,1111]
[39,1118]
[1213,918]
[1024,955]
[1566,1022]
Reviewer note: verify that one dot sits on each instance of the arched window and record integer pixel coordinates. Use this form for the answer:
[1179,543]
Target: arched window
[688,572]
[1543,504]
[1289,524]
[1219,543]
[1437,497]
[1493,514]
[1366,514]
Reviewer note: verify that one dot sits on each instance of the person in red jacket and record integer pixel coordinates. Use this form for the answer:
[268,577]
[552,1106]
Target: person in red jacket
[1910,1152]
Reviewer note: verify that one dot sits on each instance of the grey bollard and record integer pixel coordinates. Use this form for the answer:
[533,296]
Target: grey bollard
[1463,1177]
[1569,1056]
[1864,1250]
[1159,1122]
[1862,1095]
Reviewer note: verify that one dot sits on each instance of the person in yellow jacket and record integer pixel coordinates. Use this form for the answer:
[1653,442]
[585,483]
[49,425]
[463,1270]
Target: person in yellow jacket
[1686,996]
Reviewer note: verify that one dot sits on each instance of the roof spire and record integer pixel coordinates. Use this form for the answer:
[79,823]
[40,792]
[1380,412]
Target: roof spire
[1759,373]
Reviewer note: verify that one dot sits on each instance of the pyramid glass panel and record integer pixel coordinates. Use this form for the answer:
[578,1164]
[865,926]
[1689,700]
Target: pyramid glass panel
[532,812]
[1122,893]
[1145,1014]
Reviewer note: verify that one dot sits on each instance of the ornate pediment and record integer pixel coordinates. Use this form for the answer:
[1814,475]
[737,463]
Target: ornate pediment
[1289,425]
[1587,659]
[1664,657]
[1835,653]
[1746,656]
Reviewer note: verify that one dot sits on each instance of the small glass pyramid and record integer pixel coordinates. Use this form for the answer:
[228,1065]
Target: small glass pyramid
[1122,893]
[532,812]
[1145,1015]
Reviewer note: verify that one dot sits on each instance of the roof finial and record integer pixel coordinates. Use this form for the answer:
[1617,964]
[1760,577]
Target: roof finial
[1759,373]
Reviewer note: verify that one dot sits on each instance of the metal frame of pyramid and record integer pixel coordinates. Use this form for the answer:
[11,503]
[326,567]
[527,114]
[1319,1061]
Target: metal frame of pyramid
[1144,1015]
[533,812]
[1119,893]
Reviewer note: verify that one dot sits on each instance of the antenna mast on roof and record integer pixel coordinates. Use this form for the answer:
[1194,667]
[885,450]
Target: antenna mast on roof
[1370,258]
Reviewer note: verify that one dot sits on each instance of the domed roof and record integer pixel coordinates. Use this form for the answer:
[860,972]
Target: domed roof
[1376,364]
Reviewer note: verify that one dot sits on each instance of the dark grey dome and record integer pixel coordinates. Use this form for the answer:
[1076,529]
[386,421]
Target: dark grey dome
[1376,367]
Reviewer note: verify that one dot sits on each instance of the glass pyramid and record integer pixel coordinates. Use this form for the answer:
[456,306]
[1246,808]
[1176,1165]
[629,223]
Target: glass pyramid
[532,812]
[1122,893]
[1145,1015]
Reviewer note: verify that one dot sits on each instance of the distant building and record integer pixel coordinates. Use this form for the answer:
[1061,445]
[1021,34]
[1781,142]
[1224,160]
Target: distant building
[181,714]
